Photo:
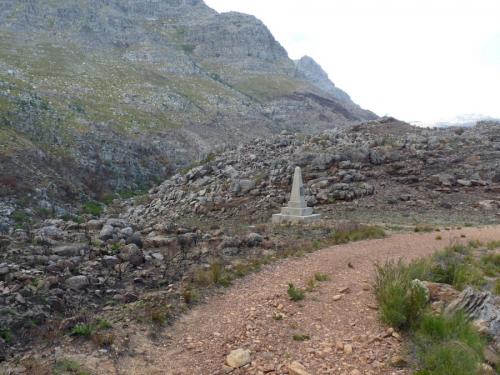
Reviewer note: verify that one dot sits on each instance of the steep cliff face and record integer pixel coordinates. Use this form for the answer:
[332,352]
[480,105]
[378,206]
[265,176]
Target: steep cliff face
[108,95]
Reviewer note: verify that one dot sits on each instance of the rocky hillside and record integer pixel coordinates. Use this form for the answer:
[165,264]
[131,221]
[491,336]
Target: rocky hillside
[383,170]
[108,95]
[56,274]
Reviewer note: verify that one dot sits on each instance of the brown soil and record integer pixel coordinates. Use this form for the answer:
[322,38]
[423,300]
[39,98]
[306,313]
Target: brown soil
[242,317]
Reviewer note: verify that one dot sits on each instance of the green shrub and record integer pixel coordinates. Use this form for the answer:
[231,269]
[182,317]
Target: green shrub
[65,366]
[490,264]
[295,293]
[301,337]
[445,345]
[454,266]
[21,217]
[451,358]
[82,330]
[44,213]
[102,323]
[92,208]
[215,274]
[356,233]
[6,334]
[321,276]
[441,328]
[401,301]
[316,244]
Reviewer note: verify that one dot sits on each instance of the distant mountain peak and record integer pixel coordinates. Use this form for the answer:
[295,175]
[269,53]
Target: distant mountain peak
[308,69]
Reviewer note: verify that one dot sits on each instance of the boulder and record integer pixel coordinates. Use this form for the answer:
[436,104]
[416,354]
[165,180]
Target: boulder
[106,232]
[95,224]
[444,179]
[131,253]
[238,358]
[70,250]
[110,260]
[254,239]
[77,282]
[296,368]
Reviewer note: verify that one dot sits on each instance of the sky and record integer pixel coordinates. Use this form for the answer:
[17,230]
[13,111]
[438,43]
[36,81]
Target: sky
[417,60]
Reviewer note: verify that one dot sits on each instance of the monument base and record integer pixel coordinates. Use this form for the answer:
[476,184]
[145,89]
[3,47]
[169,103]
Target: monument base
[294,219]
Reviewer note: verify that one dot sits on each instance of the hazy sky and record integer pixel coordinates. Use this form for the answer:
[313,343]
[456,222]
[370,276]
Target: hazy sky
[413,59]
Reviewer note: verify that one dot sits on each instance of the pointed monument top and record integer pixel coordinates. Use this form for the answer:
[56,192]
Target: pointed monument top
[297,197]
[297,210]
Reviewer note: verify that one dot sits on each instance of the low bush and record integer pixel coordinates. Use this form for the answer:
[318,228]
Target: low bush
[103,324]
[215,274]
[444,345]
[450,358]
[6,334]
[92,208]
[356,233]
[190,295]
[301,337]
[455,266]
[401,300]
[67,366]
[310,284]
[295,294]
[321,276]
[103,339]
[424,228]
[82,330]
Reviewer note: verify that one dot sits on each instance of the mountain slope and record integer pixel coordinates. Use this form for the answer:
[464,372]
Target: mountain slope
[113,95]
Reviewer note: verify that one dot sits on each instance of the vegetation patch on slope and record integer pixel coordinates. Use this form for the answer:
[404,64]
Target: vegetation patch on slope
[444,343]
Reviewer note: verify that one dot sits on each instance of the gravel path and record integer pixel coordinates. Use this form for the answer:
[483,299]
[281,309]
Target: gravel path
[346,336]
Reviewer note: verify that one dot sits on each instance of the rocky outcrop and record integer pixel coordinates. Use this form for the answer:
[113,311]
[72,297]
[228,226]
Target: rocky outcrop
[481,307]
[376,163]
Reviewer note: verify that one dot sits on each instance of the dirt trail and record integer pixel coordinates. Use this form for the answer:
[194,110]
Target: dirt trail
[242,316]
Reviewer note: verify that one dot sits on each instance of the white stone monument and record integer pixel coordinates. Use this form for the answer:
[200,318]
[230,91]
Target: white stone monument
[297,210]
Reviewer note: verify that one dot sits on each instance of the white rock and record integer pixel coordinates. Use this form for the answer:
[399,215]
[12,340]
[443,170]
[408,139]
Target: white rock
[237,358]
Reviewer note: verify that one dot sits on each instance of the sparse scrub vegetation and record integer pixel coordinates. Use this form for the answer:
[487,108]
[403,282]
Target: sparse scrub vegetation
[310,284]
[190,295]
[82,330]
[448,345]
[423,228]
[103,339]
[215,274]
[102,323]
[401,300]
[445,344]
[300,337]
[92,208]
[295,294]
[156,314]
[321,276]
[6,334]
[356,232]
[68,366]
